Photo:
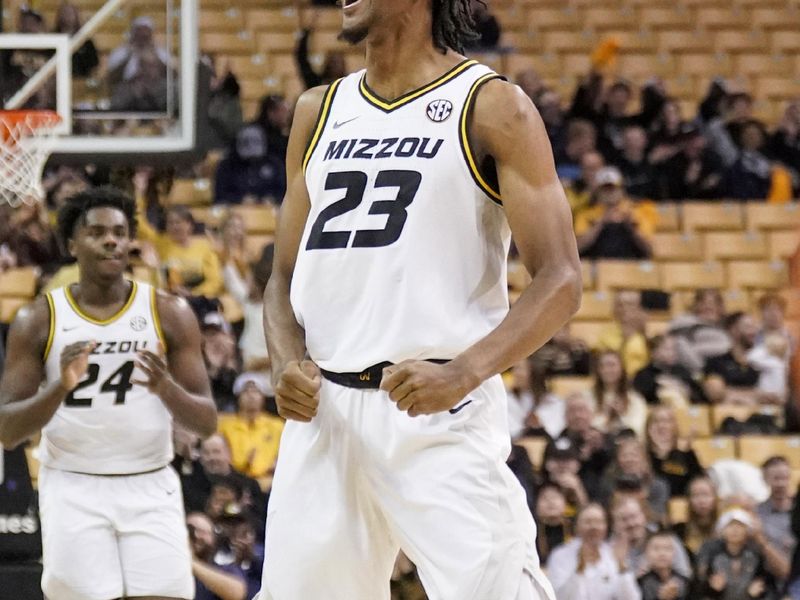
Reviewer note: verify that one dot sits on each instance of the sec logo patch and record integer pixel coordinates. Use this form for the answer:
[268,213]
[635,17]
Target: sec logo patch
[439,110]
[138,323]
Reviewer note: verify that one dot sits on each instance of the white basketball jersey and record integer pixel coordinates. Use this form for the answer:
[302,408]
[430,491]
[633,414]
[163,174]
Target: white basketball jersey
[404,252]
[108,425]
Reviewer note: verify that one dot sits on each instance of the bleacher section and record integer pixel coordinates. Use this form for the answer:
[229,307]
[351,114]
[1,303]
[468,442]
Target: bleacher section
[685,42]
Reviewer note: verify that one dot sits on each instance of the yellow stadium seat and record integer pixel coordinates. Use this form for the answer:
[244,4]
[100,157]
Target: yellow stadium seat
[534,446]
[258,219]
[781,88]
[740,40]
[19,282]
[610,17]
[757,274]
[762,64]
[569,41]
[227,43]
[518,276]
[595,306]
[694,421]
[684,41]
[710,450]
[756,449]
[784,41]
[626,274]
[208,215]
[721,18]
[704,64]
[215,19]
[191,192]
[231,309]
[273,19]
[783,244]
[677,246]
[668,217]
[767,17]
[9,308]
[691,275]
[588,331]
[655,327]
[563,385]
[587,275]
[740,413]
[254,245]
[546,18]
[712,216]
[794,479]
[663,17]
[678,509]
[748,245]
[760,215]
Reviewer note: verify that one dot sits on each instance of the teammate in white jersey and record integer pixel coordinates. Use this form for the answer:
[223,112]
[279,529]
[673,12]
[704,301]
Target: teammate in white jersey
[387,317]
[102,367]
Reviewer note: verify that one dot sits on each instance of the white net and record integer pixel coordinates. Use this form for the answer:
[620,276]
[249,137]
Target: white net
[26,139]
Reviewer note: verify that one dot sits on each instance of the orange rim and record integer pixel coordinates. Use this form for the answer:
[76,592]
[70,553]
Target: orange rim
[34,118]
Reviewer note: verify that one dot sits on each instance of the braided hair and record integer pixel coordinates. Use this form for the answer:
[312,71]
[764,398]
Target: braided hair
[453,25]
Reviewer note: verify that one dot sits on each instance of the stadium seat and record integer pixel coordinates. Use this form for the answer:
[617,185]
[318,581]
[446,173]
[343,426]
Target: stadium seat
[228,42]
[258,219]
[254,245]
[669,218]
[750,245]
[782,244]
[626,274]
[684,41]
[721,412]
[710,450]
[563,385]
[534,446]
[215,19]
[587,275]
[712,216]
[662,17]
[760,215]
[722,18]
[678,509]
[191,192]
[691,275]
[677,246]
[694,421]
[757,274]
[9,308]
[595,306]
[756,449]
[588,331]
[20,283]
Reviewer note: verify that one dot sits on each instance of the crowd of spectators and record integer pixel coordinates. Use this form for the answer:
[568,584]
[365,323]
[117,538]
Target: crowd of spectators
[614,456]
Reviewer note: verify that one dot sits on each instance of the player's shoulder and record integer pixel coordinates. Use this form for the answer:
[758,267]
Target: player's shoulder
[310,102]
[170,305]
[33,314]
[499,98]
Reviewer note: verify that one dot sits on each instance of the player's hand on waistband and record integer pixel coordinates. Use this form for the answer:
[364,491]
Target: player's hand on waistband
[155,368]
[297,392]
[75,363]
[424,388]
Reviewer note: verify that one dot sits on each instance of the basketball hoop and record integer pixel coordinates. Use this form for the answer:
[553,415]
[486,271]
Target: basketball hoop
[26,140]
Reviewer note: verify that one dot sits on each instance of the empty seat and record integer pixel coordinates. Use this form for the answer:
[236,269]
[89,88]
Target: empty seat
[740,413]
[756,449]
[757,274]
[735,245]
[668,217]
[20,283]
[677,246]
[760,215]
[534,446]
[258,219]
[626,274]
[710,450]
[678,509]
[191,192]
[9,308]
[692,275]
[712,216]
[588,331]
[782,244]
[595,306]
[564,385]
[694,421]
[587,275]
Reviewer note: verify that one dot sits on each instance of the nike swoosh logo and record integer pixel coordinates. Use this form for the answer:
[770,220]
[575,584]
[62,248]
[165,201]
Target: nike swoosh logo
[338,124]
[457,409]
[69,328]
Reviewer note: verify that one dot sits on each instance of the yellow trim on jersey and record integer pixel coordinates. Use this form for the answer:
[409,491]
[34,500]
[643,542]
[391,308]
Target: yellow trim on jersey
[387,105]
[322,119]
[468,154]
[51,332]
[112,318]
[157,318]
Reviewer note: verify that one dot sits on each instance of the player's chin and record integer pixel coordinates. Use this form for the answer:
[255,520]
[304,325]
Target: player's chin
[111,267]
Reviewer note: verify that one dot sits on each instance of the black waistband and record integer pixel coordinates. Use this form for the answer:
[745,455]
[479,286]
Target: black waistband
[368,379]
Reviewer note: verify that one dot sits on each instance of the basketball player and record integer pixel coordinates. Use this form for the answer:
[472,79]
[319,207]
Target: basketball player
[388,323]
[85,367]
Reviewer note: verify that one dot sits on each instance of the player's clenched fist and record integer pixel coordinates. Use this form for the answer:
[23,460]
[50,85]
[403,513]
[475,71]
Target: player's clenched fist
[74,363]
[425,388]
[297,391]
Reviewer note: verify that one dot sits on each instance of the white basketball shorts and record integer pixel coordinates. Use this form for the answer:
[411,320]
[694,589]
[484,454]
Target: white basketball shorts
[363,480]
[112,537]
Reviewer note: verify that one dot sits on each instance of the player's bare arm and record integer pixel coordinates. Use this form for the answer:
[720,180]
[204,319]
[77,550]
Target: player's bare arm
[24,409]
[297,381]
[506,126]
[179,378]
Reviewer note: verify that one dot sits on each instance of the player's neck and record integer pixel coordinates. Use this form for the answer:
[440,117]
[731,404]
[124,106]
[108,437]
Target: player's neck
[404,59]
[96,292]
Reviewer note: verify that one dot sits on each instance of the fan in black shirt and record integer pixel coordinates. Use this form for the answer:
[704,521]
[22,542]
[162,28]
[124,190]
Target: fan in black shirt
[674,465]
[664,377]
